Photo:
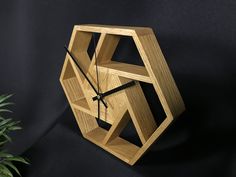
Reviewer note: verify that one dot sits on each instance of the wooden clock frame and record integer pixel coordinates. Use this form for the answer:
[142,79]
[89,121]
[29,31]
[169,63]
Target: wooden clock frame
[155,71]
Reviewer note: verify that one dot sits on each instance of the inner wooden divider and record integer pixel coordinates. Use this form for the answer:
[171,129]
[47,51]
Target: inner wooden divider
[73,89]
[125,70]
[118,146]
[79,48]
[86,122]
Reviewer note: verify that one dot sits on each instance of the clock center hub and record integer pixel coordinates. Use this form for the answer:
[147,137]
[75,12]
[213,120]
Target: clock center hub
[99,97]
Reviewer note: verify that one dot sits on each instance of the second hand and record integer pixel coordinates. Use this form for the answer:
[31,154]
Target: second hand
[98,86]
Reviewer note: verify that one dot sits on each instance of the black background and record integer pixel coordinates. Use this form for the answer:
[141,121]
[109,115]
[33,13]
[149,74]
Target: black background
[198,39]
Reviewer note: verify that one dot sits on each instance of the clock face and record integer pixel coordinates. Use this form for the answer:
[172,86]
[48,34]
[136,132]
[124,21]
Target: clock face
[114,102]
[99,85]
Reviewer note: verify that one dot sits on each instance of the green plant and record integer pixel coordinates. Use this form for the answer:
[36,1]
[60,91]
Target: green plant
[6,126]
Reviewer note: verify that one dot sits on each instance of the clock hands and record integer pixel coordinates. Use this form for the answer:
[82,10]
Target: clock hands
[109,92]
[81,70]
[98,86]
[99,96]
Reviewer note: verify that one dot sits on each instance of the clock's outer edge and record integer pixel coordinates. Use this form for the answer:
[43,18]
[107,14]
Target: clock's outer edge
[158,71]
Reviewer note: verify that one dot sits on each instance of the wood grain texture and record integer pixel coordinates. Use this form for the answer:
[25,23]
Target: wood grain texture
[107,81]
[123,105]
[83,106]
[119,147]
[73,88]
[139,110]
[126,70]
[106,47]
[116,30]
[117,127]
[85,121]
[160,74]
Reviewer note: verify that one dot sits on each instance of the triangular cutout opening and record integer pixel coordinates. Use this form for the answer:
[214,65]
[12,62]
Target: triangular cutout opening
[93,44]
[123,128]
[127,52]
[130,134]
[73,88]
[153,102]
[122,59]
[103,124]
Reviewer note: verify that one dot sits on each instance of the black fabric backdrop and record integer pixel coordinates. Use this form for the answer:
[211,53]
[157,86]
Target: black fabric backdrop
[198,39]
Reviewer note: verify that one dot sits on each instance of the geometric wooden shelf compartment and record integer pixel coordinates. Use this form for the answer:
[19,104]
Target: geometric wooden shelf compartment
[128,104]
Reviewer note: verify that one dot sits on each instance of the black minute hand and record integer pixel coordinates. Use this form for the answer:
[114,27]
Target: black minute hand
[90,83]
[117,89]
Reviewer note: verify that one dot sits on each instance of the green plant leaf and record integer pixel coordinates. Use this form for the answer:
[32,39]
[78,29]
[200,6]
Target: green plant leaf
[14,128]
[18,159]
[12,123]
[11,165]
[5,110]
[5,171]
[5,104]
[7,137]
[3,142]
[4,97]
[3,129]
[5,155]
[5,121]
[4,175]
[6,126]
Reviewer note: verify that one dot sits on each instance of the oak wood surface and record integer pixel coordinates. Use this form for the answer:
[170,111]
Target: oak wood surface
[125,105]
[126,70]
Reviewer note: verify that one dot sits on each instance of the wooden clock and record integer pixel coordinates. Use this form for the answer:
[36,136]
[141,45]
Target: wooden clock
[101,89]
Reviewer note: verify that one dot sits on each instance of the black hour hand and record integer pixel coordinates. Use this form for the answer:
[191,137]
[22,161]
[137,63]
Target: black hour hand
[117,89]
[81,70]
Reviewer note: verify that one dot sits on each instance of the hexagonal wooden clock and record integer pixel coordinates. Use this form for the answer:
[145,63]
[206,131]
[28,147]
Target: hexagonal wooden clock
[101,89]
